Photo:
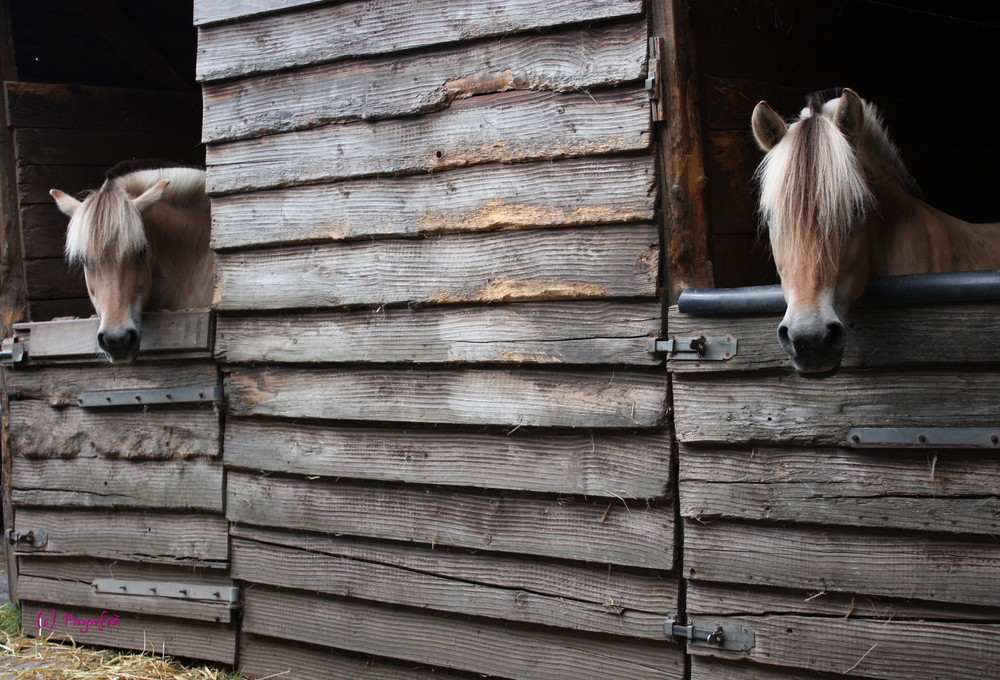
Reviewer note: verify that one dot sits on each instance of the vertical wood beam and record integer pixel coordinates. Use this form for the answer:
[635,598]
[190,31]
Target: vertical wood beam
[680,140]
[12,294]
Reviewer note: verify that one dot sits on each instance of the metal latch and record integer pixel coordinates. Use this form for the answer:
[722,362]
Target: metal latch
[11,351]
[33,539]
[925,437]
[181,395]
[714,635]
[177,591]
[696,347]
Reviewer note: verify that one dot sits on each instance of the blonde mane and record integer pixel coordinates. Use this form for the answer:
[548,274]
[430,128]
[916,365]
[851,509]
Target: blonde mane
[108,228]
[814,183]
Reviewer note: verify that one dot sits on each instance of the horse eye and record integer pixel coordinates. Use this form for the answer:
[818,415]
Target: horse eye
[141,254]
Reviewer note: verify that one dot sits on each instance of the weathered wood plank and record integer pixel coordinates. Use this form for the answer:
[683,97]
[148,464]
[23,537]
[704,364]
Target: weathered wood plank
[40,431]
[505,127]
[53,146]
[97,482]
[898,489]
[46,310]
[409,84]
[52,278]
[182,331]
[544,264]
[152,634]
[56,105]
[562,193]
[609,586]
[175,538]
[910,336]
[480,646]
[630,534]
[369,27]
[289,567]
[44,231]
[67,581]
[713,599]
[921,567]
[35,181]
[465,396]
[633,464]
[790,409]
[60,386]
[889,649]
[579,332]
[262,657]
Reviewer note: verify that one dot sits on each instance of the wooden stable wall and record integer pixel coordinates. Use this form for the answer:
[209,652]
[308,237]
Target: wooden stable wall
[874,563]
[437,272]
[65,137]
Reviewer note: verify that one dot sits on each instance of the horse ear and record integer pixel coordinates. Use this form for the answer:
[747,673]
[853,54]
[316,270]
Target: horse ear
[150,195]
[768,126]
[850,114]
[67,204]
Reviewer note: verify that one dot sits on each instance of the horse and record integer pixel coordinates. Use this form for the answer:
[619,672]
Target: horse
[142,239]
[840,207]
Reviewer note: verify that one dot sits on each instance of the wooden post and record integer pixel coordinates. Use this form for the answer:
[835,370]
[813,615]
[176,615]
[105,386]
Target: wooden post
[12,301]
[680,141]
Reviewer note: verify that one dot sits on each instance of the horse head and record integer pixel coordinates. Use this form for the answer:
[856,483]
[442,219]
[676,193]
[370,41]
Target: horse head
[106,236]
[814,204]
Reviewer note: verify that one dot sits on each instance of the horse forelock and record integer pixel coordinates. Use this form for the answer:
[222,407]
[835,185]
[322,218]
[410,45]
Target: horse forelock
[106,228]
[812,192]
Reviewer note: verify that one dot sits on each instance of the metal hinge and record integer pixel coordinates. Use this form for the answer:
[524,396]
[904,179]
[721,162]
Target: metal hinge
[181,395]
[33,539]
[654,79]
[713,635]
[925,437]
[178,591]
[696,347]
[11,351]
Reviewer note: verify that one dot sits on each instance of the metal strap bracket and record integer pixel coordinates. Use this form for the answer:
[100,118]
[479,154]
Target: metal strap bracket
[696,347]
[229,595]
[654,78]
[212,394]
[924,437]
[713,635]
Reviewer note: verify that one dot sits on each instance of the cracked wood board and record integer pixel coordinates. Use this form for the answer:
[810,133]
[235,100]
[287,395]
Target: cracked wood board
[328,32]
[498,128]
[617,532]
[549,264]
[478,645]
[563,193]
[593,463]
[579,332]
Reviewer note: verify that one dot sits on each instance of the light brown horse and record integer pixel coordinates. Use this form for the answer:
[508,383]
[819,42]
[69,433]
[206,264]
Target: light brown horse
[143,241]
[840,208]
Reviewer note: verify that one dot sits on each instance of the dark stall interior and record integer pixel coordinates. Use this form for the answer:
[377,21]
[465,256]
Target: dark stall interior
[88,83]
[931,67]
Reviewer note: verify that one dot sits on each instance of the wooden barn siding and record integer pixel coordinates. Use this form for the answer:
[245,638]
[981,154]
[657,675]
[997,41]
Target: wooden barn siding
[65,137]
[132,493]
[874,563]
[437,275]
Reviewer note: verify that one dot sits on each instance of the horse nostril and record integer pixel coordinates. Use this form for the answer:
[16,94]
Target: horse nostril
[836,336]
[100,341]
[783,337]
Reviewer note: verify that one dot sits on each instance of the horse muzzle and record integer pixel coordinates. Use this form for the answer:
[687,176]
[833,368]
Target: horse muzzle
[815,350]
[121,345]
